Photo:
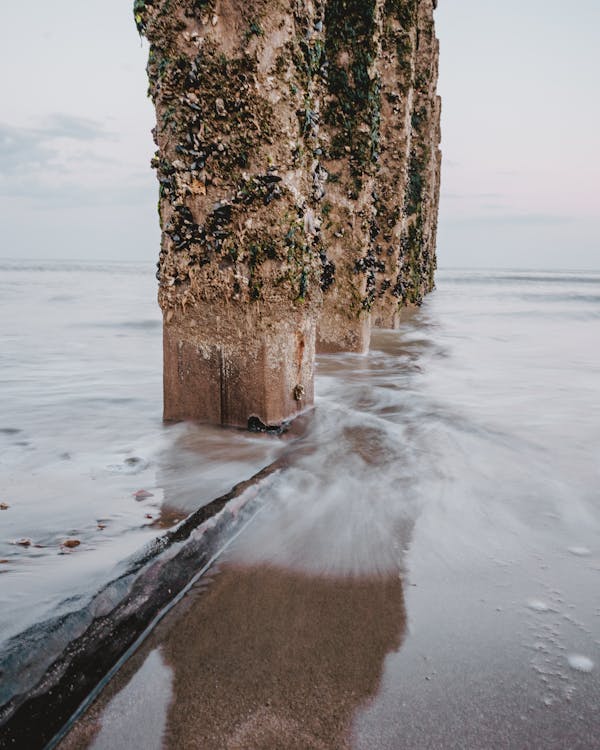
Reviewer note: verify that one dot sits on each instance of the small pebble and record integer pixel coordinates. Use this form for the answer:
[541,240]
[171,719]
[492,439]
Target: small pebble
[71,543]
[23,542]
[4,506]
[149,516]
[142,494]
[220,107]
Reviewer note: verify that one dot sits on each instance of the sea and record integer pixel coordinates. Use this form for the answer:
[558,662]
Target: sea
[461,455]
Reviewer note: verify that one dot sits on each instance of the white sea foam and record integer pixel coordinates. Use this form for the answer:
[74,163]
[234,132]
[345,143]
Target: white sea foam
[580,551]
[580,663]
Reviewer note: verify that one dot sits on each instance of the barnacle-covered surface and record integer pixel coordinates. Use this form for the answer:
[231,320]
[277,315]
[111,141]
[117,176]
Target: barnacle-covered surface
[298,165]
[350,137]
[417,257]
[380,135]
[397,67]
[234,193]
[240,263]
[407,186]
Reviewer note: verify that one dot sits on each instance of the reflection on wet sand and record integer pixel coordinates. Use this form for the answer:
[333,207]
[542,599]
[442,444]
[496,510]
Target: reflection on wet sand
[141,706]
[267,658]
[260,658]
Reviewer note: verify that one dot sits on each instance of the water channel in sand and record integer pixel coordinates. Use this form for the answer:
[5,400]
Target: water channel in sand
[426,571]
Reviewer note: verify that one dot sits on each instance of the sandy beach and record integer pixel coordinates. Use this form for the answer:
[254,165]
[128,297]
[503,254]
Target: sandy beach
[424,569]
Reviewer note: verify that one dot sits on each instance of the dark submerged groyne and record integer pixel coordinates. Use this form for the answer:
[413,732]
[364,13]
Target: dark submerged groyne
[48,671]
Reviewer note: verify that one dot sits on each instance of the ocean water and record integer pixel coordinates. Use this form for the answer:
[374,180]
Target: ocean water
[81,431]
[455,470]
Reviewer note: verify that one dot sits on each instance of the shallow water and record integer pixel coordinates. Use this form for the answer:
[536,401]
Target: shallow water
[455,469]
[437,534]
[81,431]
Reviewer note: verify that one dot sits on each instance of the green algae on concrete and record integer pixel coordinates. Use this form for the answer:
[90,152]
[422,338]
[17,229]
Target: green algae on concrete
[298,165]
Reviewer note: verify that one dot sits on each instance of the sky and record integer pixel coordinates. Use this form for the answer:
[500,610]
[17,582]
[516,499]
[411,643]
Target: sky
[521,131]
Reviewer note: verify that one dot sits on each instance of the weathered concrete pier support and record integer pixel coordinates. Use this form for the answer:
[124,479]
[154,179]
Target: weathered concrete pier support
[256,373]
[407,179]
[298,165]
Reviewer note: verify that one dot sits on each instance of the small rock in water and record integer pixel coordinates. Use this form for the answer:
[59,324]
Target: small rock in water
[71,543]
[580,663]
[537,605]
[101,526]
[142,494]
[23,542]
[4,506]
[580,551]
[4,561]
[149,516]
[133,461]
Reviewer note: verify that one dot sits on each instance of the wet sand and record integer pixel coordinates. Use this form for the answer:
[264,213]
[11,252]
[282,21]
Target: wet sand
[260,658]
[426,570]
[263,659]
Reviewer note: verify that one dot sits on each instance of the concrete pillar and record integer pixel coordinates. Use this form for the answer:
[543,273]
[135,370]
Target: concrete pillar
[298,161]
[239,267]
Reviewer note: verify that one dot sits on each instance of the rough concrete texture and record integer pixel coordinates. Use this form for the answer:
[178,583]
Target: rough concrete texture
[298,165]
[408,175]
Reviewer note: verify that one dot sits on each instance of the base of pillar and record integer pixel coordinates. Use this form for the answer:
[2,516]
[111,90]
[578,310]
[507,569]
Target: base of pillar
[387,319]
[232,374]
[336,333]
